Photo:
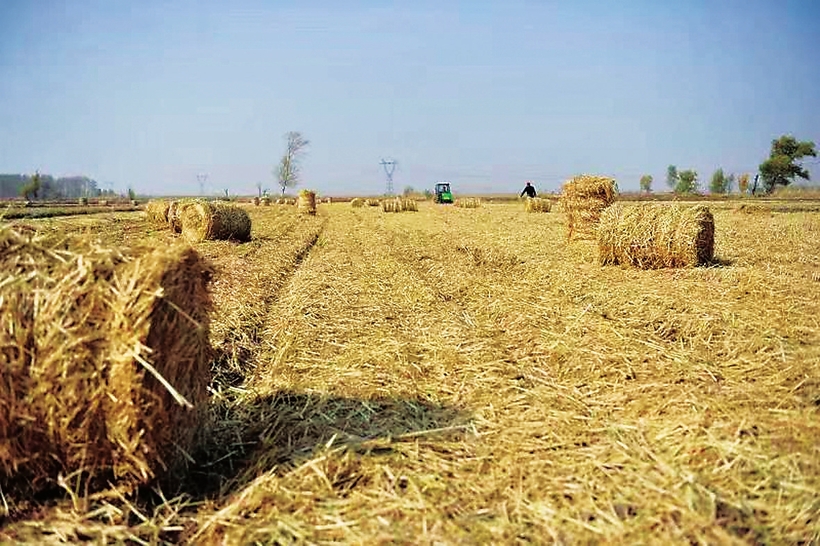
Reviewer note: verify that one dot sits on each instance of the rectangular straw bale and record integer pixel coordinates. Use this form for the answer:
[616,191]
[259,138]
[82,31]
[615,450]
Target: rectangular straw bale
[105,361]
[209,220]
[650,236]
[583,200]
[306,203]
[537,204]
[156,211]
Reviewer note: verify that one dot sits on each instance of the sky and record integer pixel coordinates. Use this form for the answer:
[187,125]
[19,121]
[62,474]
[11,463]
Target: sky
[485,95]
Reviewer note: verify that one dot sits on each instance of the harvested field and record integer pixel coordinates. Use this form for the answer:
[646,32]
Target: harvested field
[456,376]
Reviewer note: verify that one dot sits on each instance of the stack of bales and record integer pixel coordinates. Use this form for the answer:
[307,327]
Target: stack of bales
[537,204]
[105,362]
[204,221]
[399,205]
[306,203]
[357,202]
[651,236]
[583,200]
[468,203]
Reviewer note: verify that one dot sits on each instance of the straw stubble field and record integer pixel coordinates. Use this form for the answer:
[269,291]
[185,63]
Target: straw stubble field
[468,376]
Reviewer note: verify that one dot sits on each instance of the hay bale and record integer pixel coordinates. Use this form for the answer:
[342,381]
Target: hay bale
[537,204]
[399,205]
[134,203]
[156,211]
[468,203]
[105,362]
[175,209]
[257,201]
[652,235]
[583,200]
[103,202]
[82,201]
[206,221]
[307,202]
[372,202]
[357,203]
[265,201]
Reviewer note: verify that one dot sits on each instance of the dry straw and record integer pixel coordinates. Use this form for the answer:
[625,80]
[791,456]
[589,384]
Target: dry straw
[157,211]
[537,204]
[306,203]
[106,362]
[583,200]
[357,202]
[265,201]
[175,209]
[372,202]
[651,236]
[399,205]
[468,203]
[205,220]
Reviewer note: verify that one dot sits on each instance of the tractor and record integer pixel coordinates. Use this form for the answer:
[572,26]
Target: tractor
[443,193]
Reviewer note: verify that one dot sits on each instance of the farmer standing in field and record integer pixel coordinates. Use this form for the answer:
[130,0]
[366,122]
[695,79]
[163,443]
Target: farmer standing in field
[529,189]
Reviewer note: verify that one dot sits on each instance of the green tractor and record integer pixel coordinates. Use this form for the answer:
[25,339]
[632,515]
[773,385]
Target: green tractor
[443,193]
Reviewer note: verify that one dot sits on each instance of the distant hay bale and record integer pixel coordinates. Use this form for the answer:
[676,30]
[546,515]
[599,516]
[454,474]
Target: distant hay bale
[106,362]
[357,203]
[583,200]
[306,203]
[651,236]
[265,201]
[372,202]
[537,204]
[752,208]
[257,201]
[208,221]
[134,203]
[399,205]
[103,202]
[82,201]
[468,203]
[156,211]
[329,201]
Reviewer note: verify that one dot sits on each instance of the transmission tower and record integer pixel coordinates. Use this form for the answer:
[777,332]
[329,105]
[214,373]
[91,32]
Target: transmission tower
[389,168]
[202,178]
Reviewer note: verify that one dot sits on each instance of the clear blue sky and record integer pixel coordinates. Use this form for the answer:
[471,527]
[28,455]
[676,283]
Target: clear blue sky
[484,94]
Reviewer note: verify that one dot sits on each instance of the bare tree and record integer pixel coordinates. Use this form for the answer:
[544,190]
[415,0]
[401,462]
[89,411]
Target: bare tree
[288,170]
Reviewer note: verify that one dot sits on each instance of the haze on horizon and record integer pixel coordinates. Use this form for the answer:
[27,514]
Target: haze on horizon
[485,95]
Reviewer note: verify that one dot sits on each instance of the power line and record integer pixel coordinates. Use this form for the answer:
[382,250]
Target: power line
[389,168]
[202,178]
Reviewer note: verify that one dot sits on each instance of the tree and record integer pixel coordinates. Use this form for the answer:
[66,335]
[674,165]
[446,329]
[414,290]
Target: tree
[288,171]
[672,177]
[132,195]
[720,183]
[743,183]
[687,182]
[781,168]
[32,188]
[646,183]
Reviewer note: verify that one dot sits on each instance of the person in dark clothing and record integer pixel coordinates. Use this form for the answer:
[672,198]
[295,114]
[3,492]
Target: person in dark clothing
[529,189]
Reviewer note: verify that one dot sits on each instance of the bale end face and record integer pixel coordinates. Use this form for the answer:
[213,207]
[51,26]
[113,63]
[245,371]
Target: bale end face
[651,236]
[204,220]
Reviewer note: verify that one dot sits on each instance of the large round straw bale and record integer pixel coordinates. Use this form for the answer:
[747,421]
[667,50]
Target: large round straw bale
[583,200]
[105,362]
[357,202]
[468,203]
[208,220]
[257,201]
[307,202]
[157,211]
[372,202]
[651,236]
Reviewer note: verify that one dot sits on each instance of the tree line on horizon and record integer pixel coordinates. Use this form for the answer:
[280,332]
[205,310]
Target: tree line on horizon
[781,168]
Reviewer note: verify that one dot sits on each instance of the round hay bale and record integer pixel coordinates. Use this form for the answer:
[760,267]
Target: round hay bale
[175,209]
[106,362]
[206,221]
[307,202]
[651,236]
[372,202]
[468,203]
[357,203]
[134,203]
[257,201]
[583,200]
[537,204]
[156,211]
[265,201]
